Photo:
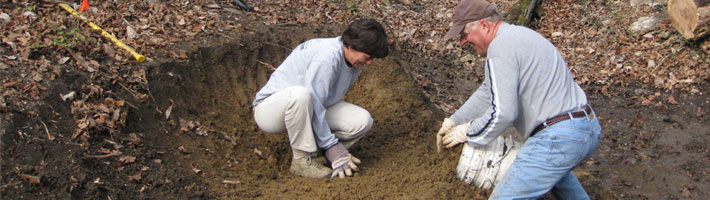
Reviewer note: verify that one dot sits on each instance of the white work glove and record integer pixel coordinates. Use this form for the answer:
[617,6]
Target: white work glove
[456,135]
[445,126]
[342,162]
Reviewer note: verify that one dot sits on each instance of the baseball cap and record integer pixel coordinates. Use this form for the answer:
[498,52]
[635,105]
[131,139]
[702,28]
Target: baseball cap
[469,11]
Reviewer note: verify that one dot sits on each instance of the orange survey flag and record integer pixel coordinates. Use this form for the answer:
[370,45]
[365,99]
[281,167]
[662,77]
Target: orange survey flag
[84,5]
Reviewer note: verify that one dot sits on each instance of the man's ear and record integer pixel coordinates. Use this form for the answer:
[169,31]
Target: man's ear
[487,25]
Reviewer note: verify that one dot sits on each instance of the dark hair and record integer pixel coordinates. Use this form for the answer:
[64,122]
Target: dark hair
[368,36]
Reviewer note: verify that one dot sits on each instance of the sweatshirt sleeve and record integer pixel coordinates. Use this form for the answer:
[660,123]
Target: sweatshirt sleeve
[502,106]
[474,106]
[320,76]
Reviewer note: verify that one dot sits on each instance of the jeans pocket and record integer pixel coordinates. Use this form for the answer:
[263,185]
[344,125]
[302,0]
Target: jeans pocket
[564,151]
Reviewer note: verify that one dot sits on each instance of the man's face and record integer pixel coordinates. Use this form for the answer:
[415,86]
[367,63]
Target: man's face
[477,35]
[358,58]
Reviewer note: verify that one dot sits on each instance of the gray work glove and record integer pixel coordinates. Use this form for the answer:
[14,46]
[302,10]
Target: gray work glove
[445,126]
[341,161]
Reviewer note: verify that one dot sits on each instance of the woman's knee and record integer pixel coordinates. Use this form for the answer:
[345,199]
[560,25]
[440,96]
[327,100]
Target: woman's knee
[300,95]
[364,122]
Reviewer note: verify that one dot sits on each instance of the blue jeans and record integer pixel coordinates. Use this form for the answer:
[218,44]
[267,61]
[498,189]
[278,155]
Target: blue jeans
[546,160]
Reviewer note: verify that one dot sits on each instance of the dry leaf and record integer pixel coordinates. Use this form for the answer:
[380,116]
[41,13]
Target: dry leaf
[136,177]
[168,111]
[119,103]
[700,112]
[258,153]
[103,108]
[133,138]
[194,169]
[109,50]
[213,6]
[131,33]
[63,60]
[127,159]
[183,150]
[68,96]
[182,54]
[672,100]
[29,178]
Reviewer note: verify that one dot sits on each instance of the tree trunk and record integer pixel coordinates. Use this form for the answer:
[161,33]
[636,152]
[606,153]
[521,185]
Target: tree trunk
[690,17]
[523,12]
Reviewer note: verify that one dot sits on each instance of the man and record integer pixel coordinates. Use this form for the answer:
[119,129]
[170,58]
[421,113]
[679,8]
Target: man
[527,84]
[304,97]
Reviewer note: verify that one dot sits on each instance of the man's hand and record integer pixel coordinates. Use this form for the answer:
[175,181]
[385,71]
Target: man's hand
[445,126]
[342,162]
[456,135]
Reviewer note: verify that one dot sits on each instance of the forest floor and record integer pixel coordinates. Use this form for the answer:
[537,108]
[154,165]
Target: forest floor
[81,119]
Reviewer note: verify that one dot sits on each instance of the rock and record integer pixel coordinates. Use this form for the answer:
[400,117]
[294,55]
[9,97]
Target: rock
[29,13]
[5,17]
[645,24]
[639,3]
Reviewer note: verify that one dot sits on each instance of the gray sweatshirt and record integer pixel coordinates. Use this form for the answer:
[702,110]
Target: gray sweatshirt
[319,65]
[526,82]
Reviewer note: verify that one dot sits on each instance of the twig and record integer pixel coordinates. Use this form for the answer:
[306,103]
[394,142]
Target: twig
[147,88]
[127,102]
[126,21]
[664,59]
[105,156]
[50,137]
[131,105]
[329,17]
[80,60]
[129,90]
[271,67]
[223,35]
[231,139]
[10,184]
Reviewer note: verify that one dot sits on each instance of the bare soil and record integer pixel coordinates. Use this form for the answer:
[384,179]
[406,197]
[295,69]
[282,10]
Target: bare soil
[655,152]
[194,136]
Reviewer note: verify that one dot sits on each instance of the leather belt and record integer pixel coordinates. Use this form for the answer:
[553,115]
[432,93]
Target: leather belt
[563,117]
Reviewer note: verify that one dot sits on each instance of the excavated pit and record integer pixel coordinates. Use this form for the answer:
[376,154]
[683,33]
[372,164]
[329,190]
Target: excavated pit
[217,85]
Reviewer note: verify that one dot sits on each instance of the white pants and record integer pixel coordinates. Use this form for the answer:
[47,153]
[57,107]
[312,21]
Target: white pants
[291,110]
